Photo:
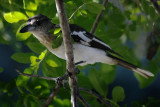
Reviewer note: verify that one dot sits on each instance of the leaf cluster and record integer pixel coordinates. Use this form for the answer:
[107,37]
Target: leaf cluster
[119,29]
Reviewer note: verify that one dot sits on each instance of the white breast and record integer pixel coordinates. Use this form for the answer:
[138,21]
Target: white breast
[84,53]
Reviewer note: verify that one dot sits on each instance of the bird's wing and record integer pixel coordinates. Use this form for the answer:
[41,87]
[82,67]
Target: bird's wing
[80,35]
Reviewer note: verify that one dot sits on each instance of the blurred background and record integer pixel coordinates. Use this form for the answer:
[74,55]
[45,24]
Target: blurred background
[130,27]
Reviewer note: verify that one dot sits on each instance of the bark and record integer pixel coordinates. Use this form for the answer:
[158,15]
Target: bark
[98,18]
[68,51]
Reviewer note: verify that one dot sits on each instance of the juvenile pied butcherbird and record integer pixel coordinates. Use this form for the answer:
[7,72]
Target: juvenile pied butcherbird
[87,48]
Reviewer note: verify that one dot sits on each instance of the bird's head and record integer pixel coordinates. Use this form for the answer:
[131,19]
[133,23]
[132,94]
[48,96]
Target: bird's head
[40,26]
[38,23]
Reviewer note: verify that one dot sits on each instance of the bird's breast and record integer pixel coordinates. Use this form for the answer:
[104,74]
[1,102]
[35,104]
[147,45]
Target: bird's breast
[83,53]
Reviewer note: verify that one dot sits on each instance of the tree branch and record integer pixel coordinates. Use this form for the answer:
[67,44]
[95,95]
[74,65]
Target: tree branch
[68,51]
[83,101]
[96,95]
[156,6]
[59,83]
[56,89]
[37,76]
[96,22]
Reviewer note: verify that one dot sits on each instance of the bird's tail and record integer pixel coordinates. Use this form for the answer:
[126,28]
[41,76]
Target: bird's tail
[132,67]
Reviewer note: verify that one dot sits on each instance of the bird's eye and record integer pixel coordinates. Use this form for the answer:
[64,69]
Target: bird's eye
[29,20]
[37,22]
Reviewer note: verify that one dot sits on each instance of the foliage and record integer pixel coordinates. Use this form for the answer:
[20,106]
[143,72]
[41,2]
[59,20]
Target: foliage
[122,30]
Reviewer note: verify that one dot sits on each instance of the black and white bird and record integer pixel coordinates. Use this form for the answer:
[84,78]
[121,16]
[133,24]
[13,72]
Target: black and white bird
[86,46]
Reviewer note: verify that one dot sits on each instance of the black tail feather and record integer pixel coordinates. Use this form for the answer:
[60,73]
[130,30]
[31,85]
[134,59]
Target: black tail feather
[131,67]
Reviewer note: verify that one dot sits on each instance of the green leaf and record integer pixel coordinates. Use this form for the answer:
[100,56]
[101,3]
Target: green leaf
[57,42]
[38,87]
[1,69]
[107,73]
[61,103]
[31,101]
[48,70]
[93,77]
[22,80]
[22,36]
[57,30]
[83,12]
[86,1]
[55,20]
[22,57]
[33,60]
[94,7]
[84,79]
[43,54]
[52,61]
[15,16]
[30,7]
[36,47]
[118,94]
[145,5]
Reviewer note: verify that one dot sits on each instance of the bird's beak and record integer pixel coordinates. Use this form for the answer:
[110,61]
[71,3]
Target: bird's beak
[27,28]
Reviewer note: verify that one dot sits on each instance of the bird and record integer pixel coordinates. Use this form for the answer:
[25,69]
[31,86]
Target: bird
[87,48]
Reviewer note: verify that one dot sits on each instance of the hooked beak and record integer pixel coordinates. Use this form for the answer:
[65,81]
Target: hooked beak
[27,28]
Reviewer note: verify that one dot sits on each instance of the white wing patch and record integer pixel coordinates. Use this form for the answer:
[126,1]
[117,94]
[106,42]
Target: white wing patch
[101,42]
[87,40]
[82,36]
[85,43]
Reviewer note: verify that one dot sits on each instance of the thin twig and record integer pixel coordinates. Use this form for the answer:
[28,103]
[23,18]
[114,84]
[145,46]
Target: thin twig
[50,98]
[96,95]
[68,51]
[59,83]
[83,101]
[96,22]
[37,76]
[156,6]
[75,11]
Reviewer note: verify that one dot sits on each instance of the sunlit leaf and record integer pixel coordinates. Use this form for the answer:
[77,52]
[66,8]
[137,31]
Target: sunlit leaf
[30,7]
[15,16]
[52,61]
[61,103]
[42,55]
[57,30]
[33,60]
[38,87]
[83,12]
[22,36]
